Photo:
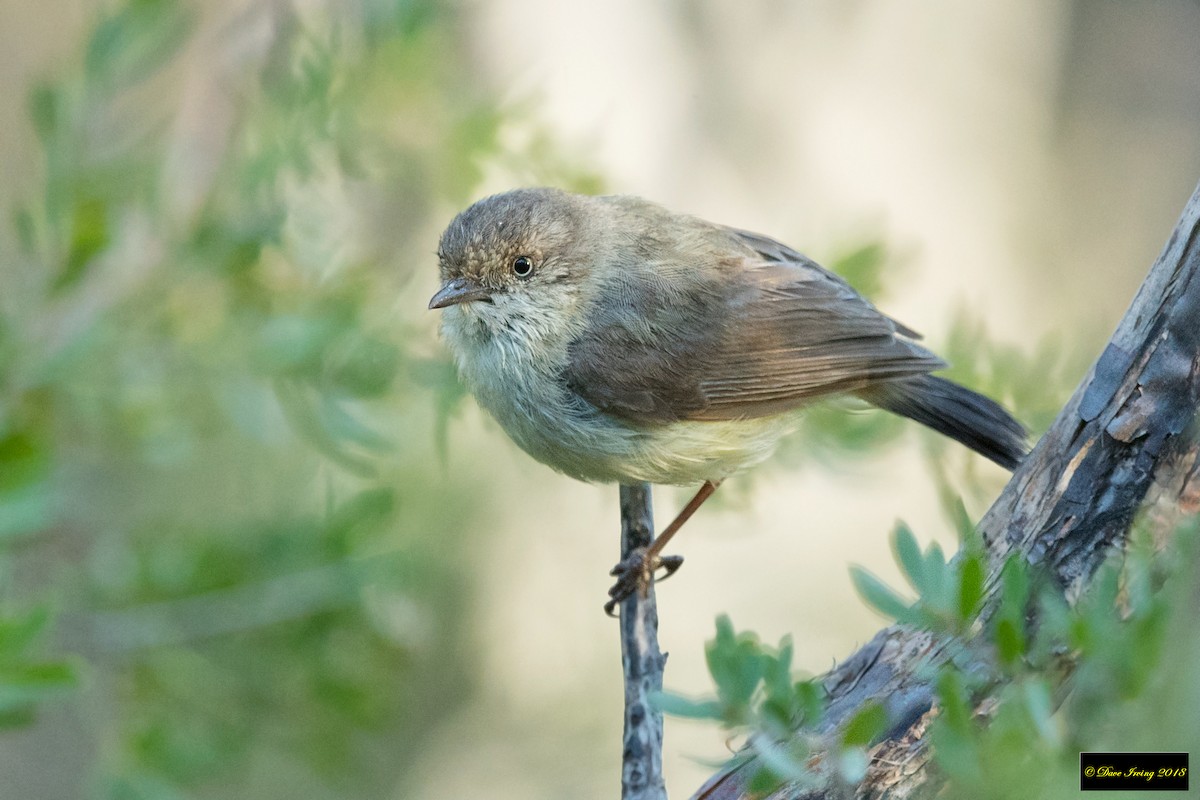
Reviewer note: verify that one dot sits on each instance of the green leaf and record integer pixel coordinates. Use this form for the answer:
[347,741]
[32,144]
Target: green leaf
[1014,587]
[970,586]
[781,706]
[679,706]
[961,519]
[24,460]
[956,705]
[43,676]
[862,268]
[1055,620]
[45,111]
[23,684]
[1009,630]
[879,595]
[134,42]
[765,780]
[777,764]
[852,764]
[1010,644]
[89,236]
[865,726]
[735,662]
[17,633]
[937,580]
[777,677]
[810,697]
[1040,705]
[908,555]
[25,495]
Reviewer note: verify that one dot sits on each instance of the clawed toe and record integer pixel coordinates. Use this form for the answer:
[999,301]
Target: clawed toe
[635,574]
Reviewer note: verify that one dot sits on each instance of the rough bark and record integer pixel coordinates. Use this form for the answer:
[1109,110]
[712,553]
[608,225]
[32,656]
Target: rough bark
[1067,506]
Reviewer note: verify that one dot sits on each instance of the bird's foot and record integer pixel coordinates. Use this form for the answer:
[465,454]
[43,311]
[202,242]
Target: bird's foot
[636,573]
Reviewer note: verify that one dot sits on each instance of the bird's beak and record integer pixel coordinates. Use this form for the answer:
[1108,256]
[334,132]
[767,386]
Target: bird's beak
[459,290]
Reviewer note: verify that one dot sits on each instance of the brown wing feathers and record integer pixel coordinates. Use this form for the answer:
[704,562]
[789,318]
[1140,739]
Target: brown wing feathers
[759,336]
[800,336]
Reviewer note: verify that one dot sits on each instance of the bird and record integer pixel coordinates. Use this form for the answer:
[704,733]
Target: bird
[615,340]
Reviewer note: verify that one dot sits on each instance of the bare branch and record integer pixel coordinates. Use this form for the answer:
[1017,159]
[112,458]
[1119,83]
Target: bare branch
[641,660]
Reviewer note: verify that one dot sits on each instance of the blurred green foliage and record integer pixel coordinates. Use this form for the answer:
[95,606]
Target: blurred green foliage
[216,428]
[1020,693]
[26,679]
[948,592]
[1115,671]
[756,691]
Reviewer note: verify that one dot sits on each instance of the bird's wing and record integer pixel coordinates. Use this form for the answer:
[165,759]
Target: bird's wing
[779,253]
[767,330]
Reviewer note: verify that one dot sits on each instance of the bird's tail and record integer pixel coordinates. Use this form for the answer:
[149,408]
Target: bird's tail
[965,416]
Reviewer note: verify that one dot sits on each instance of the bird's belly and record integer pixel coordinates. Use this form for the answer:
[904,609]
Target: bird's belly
[592,446]
[692,452]
[561,430]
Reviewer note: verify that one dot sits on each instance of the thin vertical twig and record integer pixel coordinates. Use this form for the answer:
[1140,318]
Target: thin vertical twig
[641,661]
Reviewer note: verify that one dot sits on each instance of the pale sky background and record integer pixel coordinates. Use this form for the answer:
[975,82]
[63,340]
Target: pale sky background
[1027,159]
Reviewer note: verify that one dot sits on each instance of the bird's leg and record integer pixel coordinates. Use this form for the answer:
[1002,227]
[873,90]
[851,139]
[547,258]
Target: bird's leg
[636,572]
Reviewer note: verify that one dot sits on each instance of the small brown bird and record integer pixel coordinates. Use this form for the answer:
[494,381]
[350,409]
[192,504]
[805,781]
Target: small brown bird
[616,341]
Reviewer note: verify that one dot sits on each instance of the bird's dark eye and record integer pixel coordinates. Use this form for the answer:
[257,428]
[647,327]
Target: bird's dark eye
[522,266]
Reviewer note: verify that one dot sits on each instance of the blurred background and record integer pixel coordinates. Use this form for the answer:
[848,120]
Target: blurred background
[255,542]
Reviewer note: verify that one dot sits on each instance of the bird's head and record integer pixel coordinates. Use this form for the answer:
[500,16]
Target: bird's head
[512,257]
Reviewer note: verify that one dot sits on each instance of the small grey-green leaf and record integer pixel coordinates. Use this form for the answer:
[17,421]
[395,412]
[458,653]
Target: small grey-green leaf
[852,764]
[1014,593]
[1040,705]
[879,595]
[937,583]
[955,702]
[679,706]
[962,520]
[908,554]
